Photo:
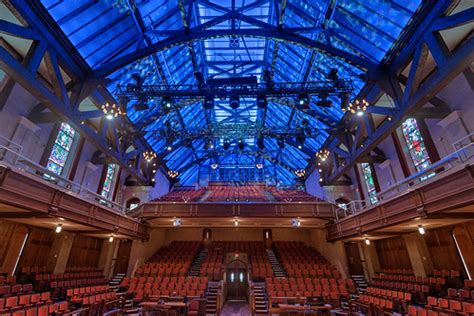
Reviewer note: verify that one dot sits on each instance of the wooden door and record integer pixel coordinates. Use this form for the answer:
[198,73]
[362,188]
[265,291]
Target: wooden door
[237,284]
[123,256]
[353,259]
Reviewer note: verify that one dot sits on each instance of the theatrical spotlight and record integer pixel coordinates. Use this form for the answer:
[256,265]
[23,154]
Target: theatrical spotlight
[141,104]
[323,101]
[166,104]
[234,102]
[209,102]
[188,142]
[226,145]
[208,144]
[332,74]
[241,144]
[260,143]
[303,101]
[281,142]
[345,99]
[262,101]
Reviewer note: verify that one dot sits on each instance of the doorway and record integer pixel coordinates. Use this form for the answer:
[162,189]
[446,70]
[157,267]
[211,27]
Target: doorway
[353,259]
[123,256]
[237,282]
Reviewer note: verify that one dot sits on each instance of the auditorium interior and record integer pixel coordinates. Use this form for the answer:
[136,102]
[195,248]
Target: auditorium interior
[237,157]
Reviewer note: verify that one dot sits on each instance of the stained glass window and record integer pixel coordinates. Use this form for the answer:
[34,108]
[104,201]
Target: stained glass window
[416,145]
[109,180]
[61,149]
[369,182]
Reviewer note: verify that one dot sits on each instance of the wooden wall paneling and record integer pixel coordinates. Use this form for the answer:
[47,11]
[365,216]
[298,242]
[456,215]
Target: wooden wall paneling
[85,252]
[443,249]
[392,253]
[37,248]
[123,256]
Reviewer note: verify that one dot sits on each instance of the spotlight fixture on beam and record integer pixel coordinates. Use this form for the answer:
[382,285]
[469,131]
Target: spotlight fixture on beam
[149,155]
[226,145]
[260,143]
[259,166]
[241,144]
[281,142]
[332,74]
[111,111]
[323,101]
[141,104]
[236,222]
[173,174]
[367,241]
[358,107]
[323,154]
[300,173]
[208,102]
[295,222]
[111,238]
[234,102]
[303,101]
[214,166]
[208,144]
[59,228]
[177,222]
[421,229]
[166,104]
[262,101]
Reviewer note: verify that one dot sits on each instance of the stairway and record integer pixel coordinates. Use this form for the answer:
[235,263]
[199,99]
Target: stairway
[195,269]
[278,270]
[211,297]
[261,298]
[360,283]
[116,280]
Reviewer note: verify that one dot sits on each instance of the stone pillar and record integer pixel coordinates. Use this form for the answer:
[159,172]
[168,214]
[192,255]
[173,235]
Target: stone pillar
[60,251]
[107,256]
[371,259]
[419,254]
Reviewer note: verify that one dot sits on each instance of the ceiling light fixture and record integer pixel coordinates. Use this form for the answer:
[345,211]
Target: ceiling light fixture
[111,111]
[367,241]
[323,154]
[236,222]
[111,238]
[177,222]
[358,107]
[149,155]
[300,173]
[59,228]
[214,166]
[173,174]
[421,229]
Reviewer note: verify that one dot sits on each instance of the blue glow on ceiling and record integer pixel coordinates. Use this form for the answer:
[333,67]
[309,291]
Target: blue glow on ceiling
[105,30]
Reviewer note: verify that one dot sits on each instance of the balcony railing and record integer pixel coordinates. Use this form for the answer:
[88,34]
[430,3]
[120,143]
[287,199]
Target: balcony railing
[11,156]
[462,155]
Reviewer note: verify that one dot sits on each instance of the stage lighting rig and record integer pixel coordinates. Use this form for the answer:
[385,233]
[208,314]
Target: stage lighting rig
[241,144]
[323,101]
[226,145]
[209,102]
[303,101]
[141,104]
[166,104]
[262,101]
[260,143]
[234,102]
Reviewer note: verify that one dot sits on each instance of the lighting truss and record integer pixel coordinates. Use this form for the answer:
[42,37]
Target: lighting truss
[281,89]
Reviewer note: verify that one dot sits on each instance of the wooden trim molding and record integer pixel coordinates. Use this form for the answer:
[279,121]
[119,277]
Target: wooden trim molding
[400,155]
[430,146]
[77,158]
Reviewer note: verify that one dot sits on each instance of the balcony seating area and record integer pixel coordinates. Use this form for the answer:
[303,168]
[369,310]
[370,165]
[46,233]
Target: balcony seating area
[244,193]
[182,195]
[173,260]
[288,195]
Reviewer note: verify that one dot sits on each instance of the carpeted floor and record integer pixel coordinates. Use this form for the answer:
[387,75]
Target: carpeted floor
[236,308]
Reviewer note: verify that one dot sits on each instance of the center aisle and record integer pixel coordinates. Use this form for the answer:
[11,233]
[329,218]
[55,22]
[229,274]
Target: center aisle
[236,308]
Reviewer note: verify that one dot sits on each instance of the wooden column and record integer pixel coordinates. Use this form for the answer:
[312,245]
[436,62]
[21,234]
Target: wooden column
[419,254]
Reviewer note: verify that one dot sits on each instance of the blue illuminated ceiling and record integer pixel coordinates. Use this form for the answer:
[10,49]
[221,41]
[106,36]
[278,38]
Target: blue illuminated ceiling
[109,33]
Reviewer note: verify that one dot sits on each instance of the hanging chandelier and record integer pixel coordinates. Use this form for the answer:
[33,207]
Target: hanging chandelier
[111,111]
[300,173]
[323,154]
[358,107]
[173,174]
[149,155]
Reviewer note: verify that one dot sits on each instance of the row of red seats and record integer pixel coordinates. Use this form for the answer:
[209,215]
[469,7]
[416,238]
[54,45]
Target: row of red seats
[289,195]
[385,304]
[80,282]
[236,193]
[83,269]
[11,279]
[44,310]
[162,280]
[75,294]
[449,306]
[187,195]
[408,278]
[462,294]
[425,288]
[67,276]
[398,271]
[15,289]
[13,303]
[447,273]
[405,296]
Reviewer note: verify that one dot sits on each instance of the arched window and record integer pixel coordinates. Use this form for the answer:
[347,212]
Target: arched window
[369,182]
[62,147]
[109,181]
[416,145]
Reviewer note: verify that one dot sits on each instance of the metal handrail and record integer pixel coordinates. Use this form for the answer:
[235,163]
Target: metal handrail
[25,164]
[432,172]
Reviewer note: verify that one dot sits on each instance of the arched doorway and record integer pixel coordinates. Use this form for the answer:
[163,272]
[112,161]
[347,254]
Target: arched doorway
[237,281]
